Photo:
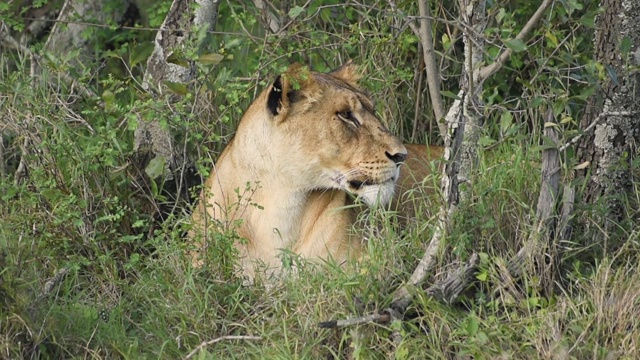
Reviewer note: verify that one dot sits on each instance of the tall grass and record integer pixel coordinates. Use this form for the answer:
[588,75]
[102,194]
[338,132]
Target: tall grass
[88,270]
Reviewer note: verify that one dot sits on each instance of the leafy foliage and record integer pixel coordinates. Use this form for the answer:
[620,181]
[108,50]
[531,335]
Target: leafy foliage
[73,200]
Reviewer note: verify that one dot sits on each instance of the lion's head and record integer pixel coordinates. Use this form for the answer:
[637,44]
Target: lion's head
[328,133]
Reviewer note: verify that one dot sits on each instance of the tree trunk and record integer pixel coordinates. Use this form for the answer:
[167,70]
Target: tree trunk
[68,34]
[612,147]
[185,19]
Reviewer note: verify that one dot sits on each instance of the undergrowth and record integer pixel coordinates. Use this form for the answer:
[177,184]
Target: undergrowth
[93,259]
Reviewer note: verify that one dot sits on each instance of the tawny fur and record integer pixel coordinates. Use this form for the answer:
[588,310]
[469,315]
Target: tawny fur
[282,182]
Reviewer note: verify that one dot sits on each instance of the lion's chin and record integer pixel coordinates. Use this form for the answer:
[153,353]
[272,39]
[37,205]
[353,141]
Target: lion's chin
[378,194]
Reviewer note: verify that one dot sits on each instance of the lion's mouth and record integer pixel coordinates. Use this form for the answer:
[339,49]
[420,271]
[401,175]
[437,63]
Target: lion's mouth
[360,184]
[357,184]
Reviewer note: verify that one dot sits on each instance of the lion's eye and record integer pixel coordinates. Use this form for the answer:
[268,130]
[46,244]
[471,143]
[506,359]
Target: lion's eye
[347,116]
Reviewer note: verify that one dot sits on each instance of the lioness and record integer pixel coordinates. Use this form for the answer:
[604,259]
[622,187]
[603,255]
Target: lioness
[283,182]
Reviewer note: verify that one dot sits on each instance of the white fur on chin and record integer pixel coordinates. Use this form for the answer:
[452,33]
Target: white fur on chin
[379,194]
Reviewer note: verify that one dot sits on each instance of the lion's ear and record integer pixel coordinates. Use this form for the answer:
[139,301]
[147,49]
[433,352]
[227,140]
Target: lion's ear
[297,80]
[275,98]
[348,72]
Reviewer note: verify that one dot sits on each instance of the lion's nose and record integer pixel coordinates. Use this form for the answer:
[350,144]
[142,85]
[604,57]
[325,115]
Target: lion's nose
[397,157]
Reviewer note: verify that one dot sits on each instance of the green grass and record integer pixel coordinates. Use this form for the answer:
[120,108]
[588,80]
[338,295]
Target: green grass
[130,291]
[160,307]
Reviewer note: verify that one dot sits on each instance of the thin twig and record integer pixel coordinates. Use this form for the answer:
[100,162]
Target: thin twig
[136,28]
[378,318]
[489,70]
[593,124]
[8,40]
[222,338]
[273,23]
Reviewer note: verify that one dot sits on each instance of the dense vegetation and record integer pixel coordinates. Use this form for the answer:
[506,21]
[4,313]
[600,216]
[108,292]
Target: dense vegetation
[92,250]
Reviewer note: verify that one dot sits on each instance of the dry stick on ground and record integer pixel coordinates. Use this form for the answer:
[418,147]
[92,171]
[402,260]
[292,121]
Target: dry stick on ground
[446,291]
[222,338]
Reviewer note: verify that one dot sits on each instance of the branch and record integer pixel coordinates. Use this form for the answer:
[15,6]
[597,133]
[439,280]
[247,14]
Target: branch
[211,342]
[449,183]
[489,70]
[446,291]
[10,42]
[382,318]
[594,123]
[545,210]
[433,75]
[273,23]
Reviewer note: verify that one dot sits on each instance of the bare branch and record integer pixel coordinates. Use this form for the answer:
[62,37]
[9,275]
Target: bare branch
[433,74]
[489,70]
[430,63]
[593,124]
[545,210]
[446,291]
[412,26]
[449,184]
[222,338]
[272,21]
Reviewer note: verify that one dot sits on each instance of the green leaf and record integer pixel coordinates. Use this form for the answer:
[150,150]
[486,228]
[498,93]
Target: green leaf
[586,92]
[506,120]
[177,88]
[589,19]
[486,141]
[141,53]
[450,94]
[446,42]
[558,106]
[178,59]
[156,167]
[516,45]
[537,101]
[108,97]
[295,11]
[625,45]
[211,59]
[553,39]
[472,326]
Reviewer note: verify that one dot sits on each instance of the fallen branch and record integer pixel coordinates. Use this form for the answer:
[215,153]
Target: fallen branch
[222,338]
[382,318]
[446,291]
